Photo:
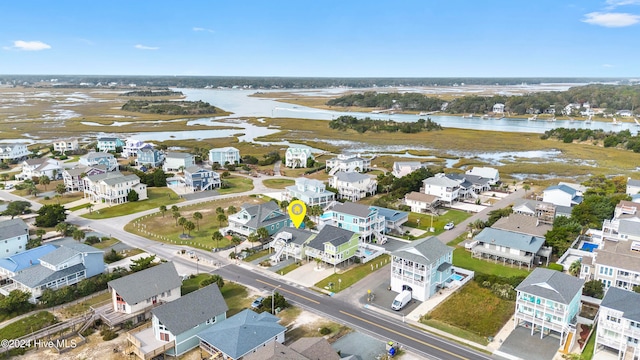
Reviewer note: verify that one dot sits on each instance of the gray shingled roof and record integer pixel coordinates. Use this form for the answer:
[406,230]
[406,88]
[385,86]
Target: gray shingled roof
[425,251]
[629,227]
[242,332]
[275,351]
[177,155]
[59,255]
[330,234]
[315,348]
[351,176]
[12,228]
[511,239]
[144,284]
[422,197]
[192,309]
[352,209]
[633,182]
[522,223]
[440,181]
[259,212]
[298,236]
[98,154]
[39,275]
[552,285]
[623,300]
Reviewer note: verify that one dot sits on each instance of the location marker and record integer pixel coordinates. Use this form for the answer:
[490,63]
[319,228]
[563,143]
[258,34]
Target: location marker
[297,210]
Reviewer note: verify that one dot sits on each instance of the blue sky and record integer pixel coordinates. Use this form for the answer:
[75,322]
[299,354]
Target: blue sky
[357,38]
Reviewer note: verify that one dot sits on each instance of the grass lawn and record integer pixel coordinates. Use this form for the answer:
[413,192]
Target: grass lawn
[485,318]
[192,284]
[289,268]
[157,197]
[106,243]
[439,221]
[353,275]
[62,199]
[236,296]
[587,352]
[76,208]
[27,325]
[256,255]
[81,308]
[278,183]
[236,184]
[462,258]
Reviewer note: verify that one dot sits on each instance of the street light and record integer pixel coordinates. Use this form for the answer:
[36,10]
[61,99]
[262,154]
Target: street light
[273,299]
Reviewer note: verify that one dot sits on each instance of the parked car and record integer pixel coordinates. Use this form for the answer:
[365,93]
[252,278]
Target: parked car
[257,303]
[449,226]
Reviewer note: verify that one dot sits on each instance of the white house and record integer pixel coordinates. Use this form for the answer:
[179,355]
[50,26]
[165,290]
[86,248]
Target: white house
[486,172]
[422,266]
[132,146]
[65,146]
[421,203]
[14,234]
[633,187]
[348,163]
[38,167]
[297,156]
[402,168]
[445,189]
[562,195]
[353,186]
[310,191]
[176,161]
[99,158]
[618,330]
[13,152]
[498,108]
[73,177]
[224,155]
[113,187]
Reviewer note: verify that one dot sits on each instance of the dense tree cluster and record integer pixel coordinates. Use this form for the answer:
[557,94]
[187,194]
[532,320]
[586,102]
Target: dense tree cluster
[170,107]
[50,215]
[162,92]
[406,101]
[368,124]
[395,188]
[609,139]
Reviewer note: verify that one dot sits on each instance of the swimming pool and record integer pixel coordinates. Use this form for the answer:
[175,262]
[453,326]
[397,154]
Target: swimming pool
[457,277]
[587,246]
[173,183]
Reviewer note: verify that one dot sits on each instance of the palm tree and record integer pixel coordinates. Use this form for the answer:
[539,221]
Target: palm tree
[175,208]
[217,236]
[163,209]
[222,218]
[62,228]
[78,235]
[284,204]
[90,207]
[61,189]
[181,222]
[44,181]
[262,233]
[526,188]
[197,216]
[219,210]
[236,241]
[189,226]
[176,216]
[232,210]
[575,267]
[4,178]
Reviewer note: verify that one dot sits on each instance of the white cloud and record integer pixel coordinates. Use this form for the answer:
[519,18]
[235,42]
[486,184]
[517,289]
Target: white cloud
[607,66]
[611,19]
[612,4]
[143,47]
[28,46]
[202,29]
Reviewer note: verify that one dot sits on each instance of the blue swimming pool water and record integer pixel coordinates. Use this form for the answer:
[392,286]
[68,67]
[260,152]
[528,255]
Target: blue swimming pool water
[173,182]
[587,246]
[457,277]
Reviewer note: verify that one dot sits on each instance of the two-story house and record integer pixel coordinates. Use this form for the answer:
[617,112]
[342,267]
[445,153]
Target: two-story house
[198,178]
[14,234]
[498,108]
[310,191]
[393,219]
[618,330]
[11,265]
[252,217]
[485,172]
[353,186]
[333,245]
[403,168]
[177,161]
[66,265]
[562,195]
[149,156]
[38,167]
[224,155]
[72,178]
[509,247]
[66,146]
[470,185]
[422,266]
[548,301]
[421,203]
[133,296]
[13,152]
[290,243]
[109,144]
[99,158]
[113,187]
[297,157]
[361,219]
[633,189]
[544,212]
[132,146]
[445,189]
[348,163]
[175,325]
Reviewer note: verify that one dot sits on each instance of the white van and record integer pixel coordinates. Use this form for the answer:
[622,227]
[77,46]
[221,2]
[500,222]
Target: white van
[401,300]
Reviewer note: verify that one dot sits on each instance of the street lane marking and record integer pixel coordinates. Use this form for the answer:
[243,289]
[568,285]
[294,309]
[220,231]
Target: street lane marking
[290,292]
[405,336]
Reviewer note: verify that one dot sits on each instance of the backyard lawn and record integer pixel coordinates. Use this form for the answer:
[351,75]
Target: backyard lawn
[278,183]
[235,295]
[343,280]
[27,325]
[462,258]
[455,216]
[474,309]
[157,197]
[236,184]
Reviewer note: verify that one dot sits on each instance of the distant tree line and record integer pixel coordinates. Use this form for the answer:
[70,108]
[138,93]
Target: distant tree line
[406,101]
[368,124]
[163,92]
[622,139]
[170,107]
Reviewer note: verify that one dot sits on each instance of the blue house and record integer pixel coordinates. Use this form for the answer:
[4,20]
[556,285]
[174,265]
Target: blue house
[109,144]
[94,159]
[224,155]
[252,217]
[175,325]
[11,265]
[393,219]
[199,178]
[149,156]
[361,219]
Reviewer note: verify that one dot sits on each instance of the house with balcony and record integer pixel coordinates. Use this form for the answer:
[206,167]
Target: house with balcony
[14,234]
[549,301]
[310,191]
[362,219]
[198,178]
[252,217]
[177,161]
[241,335]
[353,186]
[290,243]
[38,167]
[224,155]
[72,178]
[113,187]
[68,264]
[393,219]
[94,159]
[133,296]
[618,330]
[109,144]
[421,203]
[510,247]
[149,157]
[348,163]
[297,157]
[544,212]
[445,189]
[11,265]
[66,146]
[404,168]
[470,185]
[422,266]
[562,195]
[176,325]
[132,146]
[498,108]
[333,245]
[485,172]
[13,152]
